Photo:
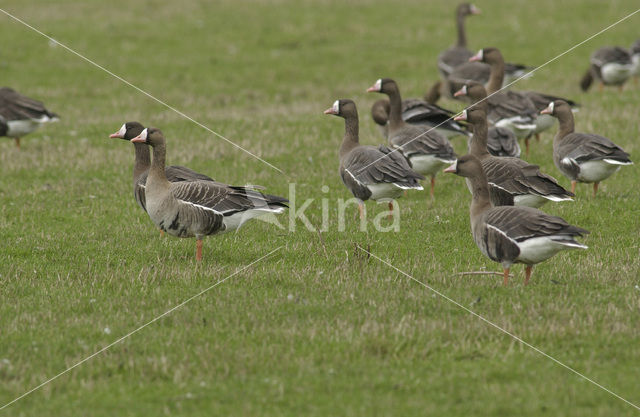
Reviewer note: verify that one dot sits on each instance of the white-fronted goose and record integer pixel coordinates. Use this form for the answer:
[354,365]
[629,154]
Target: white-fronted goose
[505,109]
[493,57]
[368,172]
[635,60]
[22,114]
[583,157]
[511,235]
[419,112]
[198,208]
[512,181]
[458,54]
[480,72]
[501,142]
[610,65]
[427,150]
[174,173]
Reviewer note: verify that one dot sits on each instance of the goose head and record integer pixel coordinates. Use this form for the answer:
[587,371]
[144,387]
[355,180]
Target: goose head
[128,131]
[150,136]
[342,108]
[472,115]
[487,55]
[384,86]
[466,9]
[466,166]
[556,108]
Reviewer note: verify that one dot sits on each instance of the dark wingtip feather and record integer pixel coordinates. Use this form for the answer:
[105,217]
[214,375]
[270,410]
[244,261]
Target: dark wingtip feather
[586,81]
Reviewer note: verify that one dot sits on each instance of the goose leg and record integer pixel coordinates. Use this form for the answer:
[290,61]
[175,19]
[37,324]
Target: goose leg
[161,233]
[573,187]
[17,140]
[361,209]
[390,210]
[527,274]
[506,277]
[433,185]
[526,146]
[595,188]
[620,87]
[601,87]
[198,249]
[537,137]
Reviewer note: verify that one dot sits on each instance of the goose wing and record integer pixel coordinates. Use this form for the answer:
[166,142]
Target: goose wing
[15,106]
[368,165]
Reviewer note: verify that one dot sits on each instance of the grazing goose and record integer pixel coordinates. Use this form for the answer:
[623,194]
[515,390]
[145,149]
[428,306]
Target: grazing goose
[419,112]
[368,172]
[583,157]
[512,181]
[198,208]
[427,150]
[610,65]
[635,60]
[506,109]
[22,114]
[458,54]
[511,235]
[175,173]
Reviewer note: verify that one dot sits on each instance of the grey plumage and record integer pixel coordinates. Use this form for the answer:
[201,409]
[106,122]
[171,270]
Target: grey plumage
[611,65]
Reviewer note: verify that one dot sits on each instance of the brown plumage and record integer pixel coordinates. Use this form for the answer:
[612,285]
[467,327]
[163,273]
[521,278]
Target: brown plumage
[427,150]
[21,115]
[198,208]
[370,172]
[511,235]
[511,180]
[610,65]
[583,157]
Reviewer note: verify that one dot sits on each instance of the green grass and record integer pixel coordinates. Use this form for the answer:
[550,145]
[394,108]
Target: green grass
[316,329]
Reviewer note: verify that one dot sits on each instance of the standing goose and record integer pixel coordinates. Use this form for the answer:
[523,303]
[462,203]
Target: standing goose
[22,114]
[419,112]
[370,172]
[175,173]
[198,208]
[512,181]
[458,54]
[506,109]
[493,57]
[610,65]
[583,157]
[511,235]
[427,150]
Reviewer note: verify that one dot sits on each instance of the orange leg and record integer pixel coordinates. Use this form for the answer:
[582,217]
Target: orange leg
[361,209]
[601,87]
[199,250]
[526,146]
[506,277]
[161,233]
[573,186]
[17,140]
[433,185]
[595,189]
[391,210]
[527,274]
[537,137]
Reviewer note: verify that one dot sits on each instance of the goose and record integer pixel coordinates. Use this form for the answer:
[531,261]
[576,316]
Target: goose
[198,208]
[508,234]
[427,150]
[506,109]
[378,174]
[21,114]
[610,65]
[175,173]
[458,54]
[512,181]
[419,112]
[501,142]
[635,60]
[480,72]
[583,157]
[493,57]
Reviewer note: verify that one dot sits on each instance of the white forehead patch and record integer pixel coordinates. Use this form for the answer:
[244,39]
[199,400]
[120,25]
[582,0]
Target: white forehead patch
[481,54]
[378,85]
[464,89]
[122,130]
[551,105]
[336,106]
[464,114]
[143,135]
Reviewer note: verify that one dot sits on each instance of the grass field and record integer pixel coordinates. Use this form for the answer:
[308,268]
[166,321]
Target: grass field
[318,328]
